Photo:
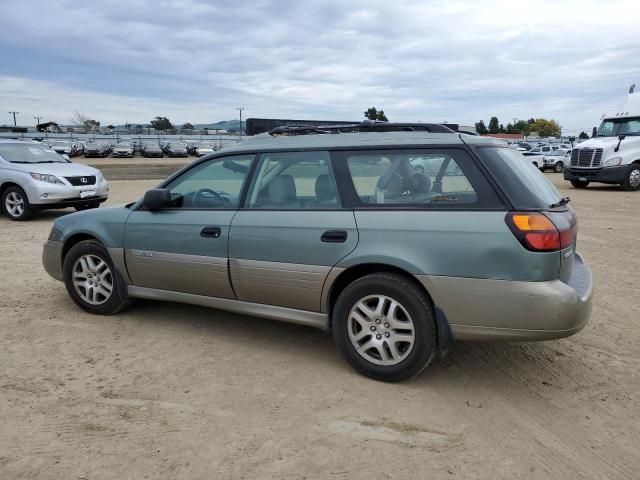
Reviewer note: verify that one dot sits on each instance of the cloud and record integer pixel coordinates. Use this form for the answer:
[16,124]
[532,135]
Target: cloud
[430,61]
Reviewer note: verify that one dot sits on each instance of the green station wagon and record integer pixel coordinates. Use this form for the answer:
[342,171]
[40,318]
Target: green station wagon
[398,239]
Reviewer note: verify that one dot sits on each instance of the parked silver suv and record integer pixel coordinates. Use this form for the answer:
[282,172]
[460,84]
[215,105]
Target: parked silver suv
[396,241]
[33,177]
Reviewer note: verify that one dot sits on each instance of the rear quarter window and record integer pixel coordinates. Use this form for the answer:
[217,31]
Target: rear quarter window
[524,184]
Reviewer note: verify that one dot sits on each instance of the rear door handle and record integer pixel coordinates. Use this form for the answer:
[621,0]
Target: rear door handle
[334,236]
[211,232]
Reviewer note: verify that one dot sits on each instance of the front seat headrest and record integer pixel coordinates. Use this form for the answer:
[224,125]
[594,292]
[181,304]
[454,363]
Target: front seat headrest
[325,188]
[282,189]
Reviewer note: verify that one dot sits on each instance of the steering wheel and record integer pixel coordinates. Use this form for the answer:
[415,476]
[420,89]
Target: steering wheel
[202,198]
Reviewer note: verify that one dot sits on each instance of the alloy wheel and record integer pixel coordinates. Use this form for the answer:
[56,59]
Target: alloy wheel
[14,204]
[634,178]
[381,330]
[92,279]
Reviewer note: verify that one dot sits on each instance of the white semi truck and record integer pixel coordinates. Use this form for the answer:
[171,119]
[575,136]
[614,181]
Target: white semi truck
[613,155]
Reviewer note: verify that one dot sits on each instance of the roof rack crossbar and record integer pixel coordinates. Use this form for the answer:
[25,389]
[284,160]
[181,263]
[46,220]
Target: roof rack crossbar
[360,127]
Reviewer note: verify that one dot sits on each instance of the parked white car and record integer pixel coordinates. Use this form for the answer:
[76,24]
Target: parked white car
[34,177]
[556,160]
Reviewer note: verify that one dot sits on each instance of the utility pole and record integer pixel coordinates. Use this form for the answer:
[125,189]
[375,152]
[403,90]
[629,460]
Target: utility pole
[240,109]
[37,119]
[14,118]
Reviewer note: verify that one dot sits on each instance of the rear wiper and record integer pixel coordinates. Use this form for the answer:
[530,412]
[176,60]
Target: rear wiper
[560,203]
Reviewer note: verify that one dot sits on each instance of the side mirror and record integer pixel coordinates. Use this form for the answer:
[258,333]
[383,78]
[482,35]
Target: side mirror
[156,198]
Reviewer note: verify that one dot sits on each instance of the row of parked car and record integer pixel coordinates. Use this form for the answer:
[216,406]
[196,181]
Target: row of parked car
[546,156]
[128,148]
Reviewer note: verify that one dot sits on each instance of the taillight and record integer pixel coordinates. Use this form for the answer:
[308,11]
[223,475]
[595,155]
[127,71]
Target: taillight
[538,233]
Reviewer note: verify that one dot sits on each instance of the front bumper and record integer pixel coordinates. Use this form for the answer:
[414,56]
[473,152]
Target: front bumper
[122,154]
[483,309]
[613,175]
[52,259]
[59,196]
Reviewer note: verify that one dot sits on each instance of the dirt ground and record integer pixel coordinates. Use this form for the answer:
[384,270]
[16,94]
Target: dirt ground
[171,391]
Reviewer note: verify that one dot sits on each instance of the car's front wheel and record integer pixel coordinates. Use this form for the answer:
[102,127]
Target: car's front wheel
[16,204]
[558,167]
[385,327]
[91,279]
[632,178]
[87,206]
[579,183]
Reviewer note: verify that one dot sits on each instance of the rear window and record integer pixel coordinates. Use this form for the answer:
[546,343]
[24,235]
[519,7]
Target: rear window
[526,186]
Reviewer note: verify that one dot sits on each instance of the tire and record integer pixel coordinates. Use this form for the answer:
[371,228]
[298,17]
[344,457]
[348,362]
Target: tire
[92,270]
[351,327]
[558,167]
[632,178]
[87,206]
[579,183]
[15,204]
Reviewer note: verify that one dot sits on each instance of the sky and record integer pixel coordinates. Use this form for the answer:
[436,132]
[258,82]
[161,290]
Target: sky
[127,61]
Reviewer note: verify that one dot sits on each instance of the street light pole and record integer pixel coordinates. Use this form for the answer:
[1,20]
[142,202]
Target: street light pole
[37,119]
[240,109]
[14,118]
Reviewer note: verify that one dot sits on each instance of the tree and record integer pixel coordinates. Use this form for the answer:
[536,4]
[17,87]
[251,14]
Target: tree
[373,114]
[583,136]
[161,123]
[494,125]
[546,128]
[502,129]
[522,127]
[187,126]
[111,127]
[81,120]
[481,128]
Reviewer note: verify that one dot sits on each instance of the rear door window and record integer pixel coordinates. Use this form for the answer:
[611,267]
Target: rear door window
[430,178]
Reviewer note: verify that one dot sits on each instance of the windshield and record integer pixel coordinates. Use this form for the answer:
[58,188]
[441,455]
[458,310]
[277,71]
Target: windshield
[557,153]
[29,153]
[177,145]
[612,127]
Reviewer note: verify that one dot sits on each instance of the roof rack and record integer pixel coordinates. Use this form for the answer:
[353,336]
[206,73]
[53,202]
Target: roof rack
[360,127]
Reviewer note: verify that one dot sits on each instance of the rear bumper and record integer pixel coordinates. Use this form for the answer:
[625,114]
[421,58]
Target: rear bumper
[603,175]
[482,309]
[52,259]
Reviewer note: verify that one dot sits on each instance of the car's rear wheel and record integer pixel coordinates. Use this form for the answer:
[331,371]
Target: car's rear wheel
[558,167]
[579,183]
[384,326]
[632,178]
[92,280]
[16,204]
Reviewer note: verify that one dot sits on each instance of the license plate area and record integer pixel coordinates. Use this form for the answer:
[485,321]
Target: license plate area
[88,193]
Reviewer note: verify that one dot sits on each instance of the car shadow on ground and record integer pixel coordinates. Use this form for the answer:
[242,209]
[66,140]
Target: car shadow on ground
[464,362]
[43,216]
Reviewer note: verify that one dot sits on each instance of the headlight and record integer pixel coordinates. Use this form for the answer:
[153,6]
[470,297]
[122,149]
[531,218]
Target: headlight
[612,162]
[43,177]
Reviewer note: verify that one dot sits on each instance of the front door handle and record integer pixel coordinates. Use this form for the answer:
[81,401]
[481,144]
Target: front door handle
[210,232]
[334,236]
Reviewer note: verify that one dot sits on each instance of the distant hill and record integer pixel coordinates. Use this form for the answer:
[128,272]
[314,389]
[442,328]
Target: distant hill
[223,125]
